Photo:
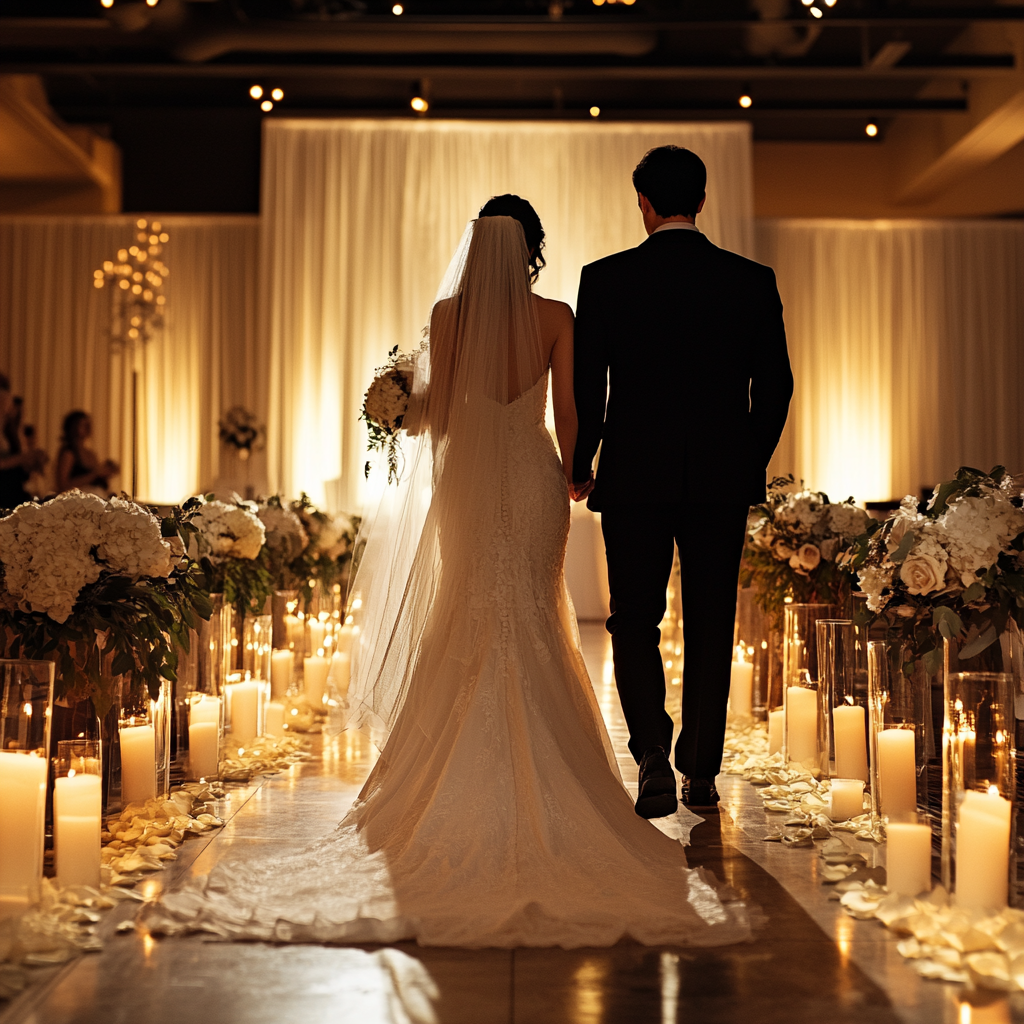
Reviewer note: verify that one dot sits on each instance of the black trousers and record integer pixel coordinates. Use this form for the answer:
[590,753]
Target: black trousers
[639,547]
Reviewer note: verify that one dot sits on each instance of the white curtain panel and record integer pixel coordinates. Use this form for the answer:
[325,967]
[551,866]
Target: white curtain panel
[361,218]
[907,341]
[55,344]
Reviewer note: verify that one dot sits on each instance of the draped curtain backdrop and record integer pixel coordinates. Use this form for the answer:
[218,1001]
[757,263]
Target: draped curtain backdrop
[55,343]
[907,341]
[360,219]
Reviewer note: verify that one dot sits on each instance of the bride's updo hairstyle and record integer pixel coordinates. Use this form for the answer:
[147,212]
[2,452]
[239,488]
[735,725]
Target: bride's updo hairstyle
[519,209]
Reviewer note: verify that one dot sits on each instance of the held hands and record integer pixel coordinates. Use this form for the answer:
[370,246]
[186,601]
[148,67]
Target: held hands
[579,491]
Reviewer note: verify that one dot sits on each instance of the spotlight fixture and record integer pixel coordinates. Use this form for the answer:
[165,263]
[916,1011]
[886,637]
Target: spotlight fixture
[152,3]
[871,129]
[398,9]
[256,91]
[830,3]
[419,104]
[745,101]
[595,111]
[107,3]
[266,106]
[815,12]
[277,94]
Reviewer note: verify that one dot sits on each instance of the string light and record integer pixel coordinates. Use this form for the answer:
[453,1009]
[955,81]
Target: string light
[871,129]
[745,101]
[595,111]
[277,94]
[256,92]
[419,104]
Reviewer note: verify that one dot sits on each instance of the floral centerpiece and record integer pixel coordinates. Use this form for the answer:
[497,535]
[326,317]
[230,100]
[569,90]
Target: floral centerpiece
[385,405]
[229,543]
[954,571]
[795,546]
[332,538]
[241,431]
[286,543]
[83,580]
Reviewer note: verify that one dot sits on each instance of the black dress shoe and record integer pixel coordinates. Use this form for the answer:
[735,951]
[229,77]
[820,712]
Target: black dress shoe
[657,786]
[700,795]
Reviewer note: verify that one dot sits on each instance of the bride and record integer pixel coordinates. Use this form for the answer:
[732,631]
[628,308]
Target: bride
[495,815]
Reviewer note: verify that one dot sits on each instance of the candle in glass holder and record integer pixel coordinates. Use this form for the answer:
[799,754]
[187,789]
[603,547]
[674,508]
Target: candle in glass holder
[802,723]
[776,723]
[983,850]
[138,763]
[274,718]
[293,631]
[204,708]
[848,727]
[245,710]
[908,858]
[281,665]
[22,825]
[847,799]
[897,773]
[344,637]
[317,632]
[741,686]
[315,678]
[204,749]
[77,817]
[341,672]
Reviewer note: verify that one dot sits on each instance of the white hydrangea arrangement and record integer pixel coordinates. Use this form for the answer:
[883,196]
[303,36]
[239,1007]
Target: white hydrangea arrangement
[795,544]
[332,538]
[955,570]
[77,567]
[228,531]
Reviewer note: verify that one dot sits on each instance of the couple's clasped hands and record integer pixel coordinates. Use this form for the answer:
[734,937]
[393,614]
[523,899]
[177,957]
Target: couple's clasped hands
[579,491]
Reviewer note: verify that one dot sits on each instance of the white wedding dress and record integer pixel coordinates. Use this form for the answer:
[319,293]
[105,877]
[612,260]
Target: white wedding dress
[495,815]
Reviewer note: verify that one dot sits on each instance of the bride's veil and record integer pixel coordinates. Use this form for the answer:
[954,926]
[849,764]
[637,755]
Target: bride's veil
[432,550]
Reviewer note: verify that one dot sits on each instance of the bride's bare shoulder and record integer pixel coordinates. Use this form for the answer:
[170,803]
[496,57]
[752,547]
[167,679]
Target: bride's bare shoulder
[552,311]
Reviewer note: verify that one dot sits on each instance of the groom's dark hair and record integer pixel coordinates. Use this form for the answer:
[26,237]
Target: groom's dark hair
[673,179]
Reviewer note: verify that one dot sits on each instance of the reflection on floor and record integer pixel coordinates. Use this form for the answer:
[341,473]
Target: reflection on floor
[809,963]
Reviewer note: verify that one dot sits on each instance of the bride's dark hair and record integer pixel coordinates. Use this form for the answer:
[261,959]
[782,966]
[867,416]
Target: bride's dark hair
[509,205]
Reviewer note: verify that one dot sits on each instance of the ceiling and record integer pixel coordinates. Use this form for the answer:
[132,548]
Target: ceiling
[809,78]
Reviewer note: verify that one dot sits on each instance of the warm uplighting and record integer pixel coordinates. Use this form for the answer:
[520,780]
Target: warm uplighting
[256,91]
[266,106]
[745,101]
[595,111]
[871,129]
[419,104]
[398,9]
[815,12]
[277,94]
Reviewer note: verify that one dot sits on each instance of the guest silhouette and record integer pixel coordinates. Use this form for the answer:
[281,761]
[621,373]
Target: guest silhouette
[19,456]
[78,466]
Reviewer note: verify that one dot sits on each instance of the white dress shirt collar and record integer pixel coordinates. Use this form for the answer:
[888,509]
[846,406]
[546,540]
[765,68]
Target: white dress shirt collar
[676,225]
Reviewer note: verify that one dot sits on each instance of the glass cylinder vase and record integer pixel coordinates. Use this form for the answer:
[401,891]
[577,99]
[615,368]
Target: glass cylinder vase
[77,812]
[898,707]
[26,707]
[143,750]
[257,645]
[213,647]
[800,674]
[843,707]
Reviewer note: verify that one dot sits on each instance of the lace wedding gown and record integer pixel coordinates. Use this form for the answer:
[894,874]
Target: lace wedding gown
[495,815]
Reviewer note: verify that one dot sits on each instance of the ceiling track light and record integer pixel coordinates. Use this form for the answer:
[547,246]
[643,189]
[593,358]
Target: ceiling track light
[815,12]
[595,111]
[871,129]
[399,9]
[746,101]
[419,104]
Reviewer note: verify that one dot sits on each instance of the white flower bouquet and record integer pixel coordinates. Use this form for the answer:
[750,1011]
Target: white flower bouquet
[954,571]
[795,546]
[385,406]
[332,537]
[76,567]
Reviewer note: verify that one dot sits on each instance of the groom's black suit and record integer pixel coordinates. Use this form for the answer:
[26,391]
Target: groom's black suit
[682,376]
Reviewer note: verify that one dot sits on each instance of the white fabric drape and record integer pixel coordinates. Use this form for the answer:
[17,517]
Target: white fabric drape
[360,217]
[907,341]
[54,342]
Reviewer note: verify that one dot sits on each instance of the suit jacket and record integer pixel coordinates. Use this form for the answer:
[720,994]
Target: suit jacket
[682,374]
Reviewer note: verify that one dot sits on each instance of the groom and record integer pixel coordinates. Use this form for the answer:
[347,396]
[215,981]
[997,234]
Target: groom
[682,377]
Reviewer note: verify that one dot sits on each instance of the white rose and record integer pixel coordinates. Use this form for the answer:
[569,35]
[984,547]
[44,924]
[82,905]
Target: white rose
[783,552]
[805,559]
[923,572]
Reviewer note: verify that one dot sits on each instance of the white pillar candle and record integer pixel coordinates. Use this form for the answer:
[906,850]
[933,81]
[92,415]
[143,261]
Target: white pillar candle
[22,824]
[204,708]
[776,723]
[897,773]
[293,631]
[908,858]
[847,799]
[317,632]
[344,638]
[741,688]
[848,728]
[281,665]
[245,710]
[802,723]
[982,851]
[77,815]
[138,763]
[204,749]
[341,672]
[274,718]
[315,679]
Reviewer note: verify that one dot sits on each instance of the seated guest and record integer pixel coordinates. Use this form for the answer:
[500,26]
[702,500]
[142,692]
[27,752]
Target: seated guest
[78,466]
[19,456]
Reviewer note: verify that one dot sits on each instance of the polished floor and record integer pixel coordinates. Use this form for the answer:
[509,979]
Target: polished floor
[807,963]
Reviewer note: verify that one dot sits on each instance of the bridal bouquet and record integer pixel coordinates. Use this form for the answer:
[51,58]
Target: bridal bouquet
[954,571]
[384,407]
[229,544]
[82,579]
[795,546]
